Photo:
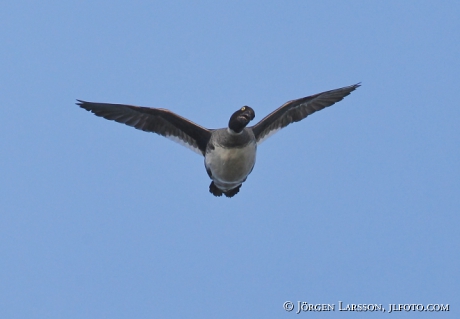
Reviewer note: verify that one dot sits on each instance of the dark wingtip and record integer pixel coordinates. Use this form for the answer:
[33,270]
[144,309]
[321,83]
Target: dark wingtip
[351,88]
[83,104]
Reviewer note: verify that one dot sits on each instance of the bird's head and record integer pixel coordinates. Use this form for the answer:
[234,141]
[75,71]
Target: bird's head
[241,118]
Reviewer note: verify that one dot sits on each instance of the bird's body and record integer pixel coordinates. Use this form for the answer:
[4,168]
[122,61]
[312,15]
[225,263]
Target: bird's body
[229,153]
[230,158]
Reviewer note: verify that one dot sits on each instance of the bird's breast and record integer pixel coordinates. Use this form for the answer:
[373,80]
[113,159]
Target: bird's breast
[231,165]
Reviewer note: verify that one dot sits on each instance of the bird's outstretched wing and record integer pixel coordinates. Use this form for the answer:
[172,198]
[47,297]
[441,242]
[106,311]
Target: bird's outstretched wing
[160,121]
[296,110]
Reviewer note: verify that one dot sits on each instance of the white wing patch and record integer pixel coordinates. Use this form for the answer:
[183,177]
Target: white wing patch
[268,135]
[187,145]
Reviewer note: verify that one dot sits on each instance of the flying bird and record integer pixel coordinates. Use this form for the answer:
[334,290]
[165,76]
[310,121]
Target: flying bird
[229,153]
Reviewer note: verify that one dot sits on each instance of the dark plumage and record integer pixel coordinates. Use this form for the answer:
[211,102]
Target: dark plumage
[229,152]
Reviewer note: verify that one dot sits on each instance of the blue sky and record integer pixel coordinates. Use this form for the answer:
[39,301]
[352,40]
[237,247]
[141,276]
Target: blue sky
[358,203]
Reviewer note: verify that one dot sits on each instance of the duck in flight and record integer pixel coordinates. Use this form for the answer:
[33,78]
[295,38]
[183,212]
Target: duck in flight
[229,153]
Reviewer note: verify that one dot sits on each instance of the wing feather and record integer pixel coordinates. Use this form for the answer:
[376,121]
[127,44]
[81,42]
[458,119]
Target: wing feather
[296,110]
[160,121]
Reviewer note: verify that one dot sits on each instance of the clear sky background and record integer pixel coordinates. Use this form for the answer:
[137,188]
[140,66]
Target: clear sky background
[358,203]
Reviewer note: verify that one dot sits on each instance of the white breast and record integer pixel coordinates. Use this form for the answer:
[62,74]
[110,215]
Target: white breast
[230,166]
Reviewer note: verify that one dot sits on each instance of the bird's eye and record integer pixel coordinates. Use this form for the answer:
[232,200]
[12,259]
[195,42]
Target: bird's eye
[243,108]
